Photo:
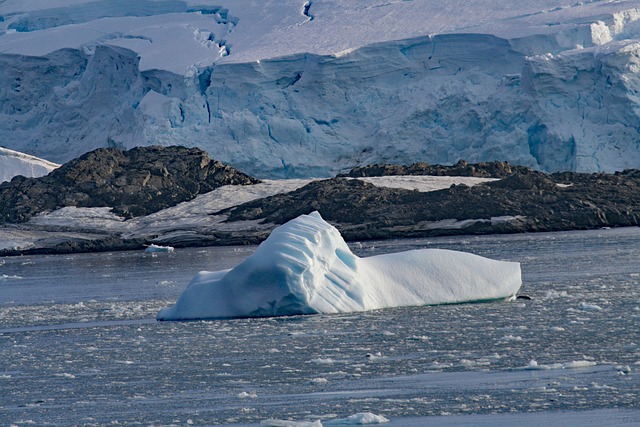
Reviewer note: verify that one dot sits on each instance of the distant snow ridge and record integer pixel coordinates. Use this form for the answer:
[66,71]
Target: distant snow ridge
[305,267]
[13,163]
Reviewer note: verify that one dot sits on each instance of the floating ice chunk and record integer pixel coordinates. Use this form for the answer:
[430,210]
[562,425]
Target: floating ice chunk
[158,248]
[579,364]
[576,364]
[589,307]
[245,395]
[306,267]
[361,418]
[285,423]
[323,361]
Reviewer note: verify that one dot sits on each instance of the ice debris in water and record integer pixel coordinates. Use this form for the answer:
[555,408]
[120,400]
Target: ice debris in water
[306,267]
[589,307]
[361,418]
[576,364]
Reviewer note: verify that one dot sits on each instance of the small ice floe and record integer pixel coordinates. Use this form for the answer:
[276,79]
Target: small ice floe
[622,369]
[576,364]
[589,307]
[323,361]
[286,423]
[359,419]
[245,395]
[157,248]
[65,375]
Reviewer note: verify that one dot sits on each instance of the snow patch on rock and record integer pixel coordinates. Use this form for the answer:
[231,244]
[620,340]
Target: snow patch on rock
[13,163]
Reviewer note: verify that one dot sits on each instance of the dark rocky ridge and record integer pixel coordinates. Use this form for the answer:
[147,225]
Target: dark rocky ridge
[462,168]
[134,183]
[145,180]
[534,200]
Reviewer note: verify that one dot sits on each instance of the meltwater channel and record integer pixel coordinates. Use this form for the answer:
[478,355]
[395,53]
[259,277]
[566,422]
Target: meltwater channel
[79,344]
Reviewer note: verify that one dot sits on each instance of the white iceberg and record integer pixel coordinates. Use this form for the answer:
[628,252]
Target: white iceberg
[305,267]
[157,248]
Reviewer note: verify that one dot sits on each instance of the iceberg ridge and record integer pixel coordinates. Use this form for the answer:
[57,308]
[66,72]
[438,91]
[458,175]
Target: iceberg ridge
[306,267]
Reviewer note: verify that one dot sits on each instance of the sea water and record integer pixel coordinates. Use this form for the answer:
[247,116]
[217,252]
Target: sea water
[79,344]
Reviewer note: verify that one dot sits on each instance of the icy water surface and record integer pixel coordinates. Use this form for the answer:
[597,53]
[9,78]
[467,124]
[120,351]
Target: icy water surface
[79,344]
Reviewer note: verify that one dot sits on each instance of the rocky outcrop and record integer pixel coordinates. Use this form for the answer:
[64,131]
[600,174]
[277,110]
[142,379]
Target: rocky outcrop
[462,168]
[525,201]
[144,180]
[134,183]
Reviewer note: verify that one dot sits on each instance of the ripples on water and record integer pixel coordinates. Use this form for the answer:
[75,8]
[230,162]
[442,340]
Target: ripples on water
[78,343]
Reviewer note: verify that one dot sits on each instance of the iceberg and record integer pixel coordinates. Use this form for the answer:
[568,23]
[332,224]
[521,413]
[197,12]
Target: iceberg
[306,267]
[157,248]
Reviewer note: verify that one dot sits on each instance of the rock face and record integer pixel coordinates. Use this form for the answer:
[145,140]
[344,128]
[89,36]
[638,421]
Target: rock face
[134,183]
[525,201]
[145,180]
[462,168]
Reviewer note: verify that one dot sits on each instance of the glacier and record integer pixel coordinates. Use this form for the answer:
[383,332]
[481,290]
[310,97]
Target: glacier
[306,267]
[310,89]
[14,163]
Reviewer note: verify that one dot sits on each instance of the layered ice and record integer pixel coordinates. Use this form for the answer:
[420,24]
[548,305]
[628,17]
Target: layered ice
[306,267]
[291,88]
[13,163]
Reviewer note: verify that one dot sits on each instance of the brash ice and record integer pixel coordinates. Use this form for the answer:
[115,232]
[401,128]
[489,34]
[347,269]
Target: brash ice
[306,267]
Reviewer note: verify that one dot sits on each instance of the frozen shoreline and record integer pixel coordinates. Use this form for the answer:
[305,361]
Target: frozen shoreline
[186,225]
[362,208]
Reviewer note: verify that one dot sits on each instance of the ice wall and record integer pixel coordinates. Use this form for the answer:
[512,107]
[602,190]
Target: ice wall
[554,97]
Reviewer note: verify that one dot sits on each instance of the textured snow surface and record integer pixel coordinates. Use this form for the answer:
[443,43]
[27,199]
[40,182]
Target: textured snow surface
[291,88]
[14,163]
[305,267]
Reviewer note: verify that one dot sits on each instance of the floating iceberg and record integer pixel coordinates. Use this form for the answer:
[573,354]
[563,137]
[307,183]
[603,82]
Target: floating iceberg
[157,248]
[305,267]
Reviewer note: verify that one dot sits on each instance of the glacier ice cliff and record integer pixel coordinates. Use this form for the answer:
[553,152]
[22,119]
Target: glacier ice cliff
[555,88]
[305,267]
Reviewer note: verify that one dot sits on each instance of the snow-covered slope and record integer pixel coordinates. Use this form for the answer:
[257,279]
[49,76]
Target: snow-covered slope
[305,267]
[13,163]
[308,88]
